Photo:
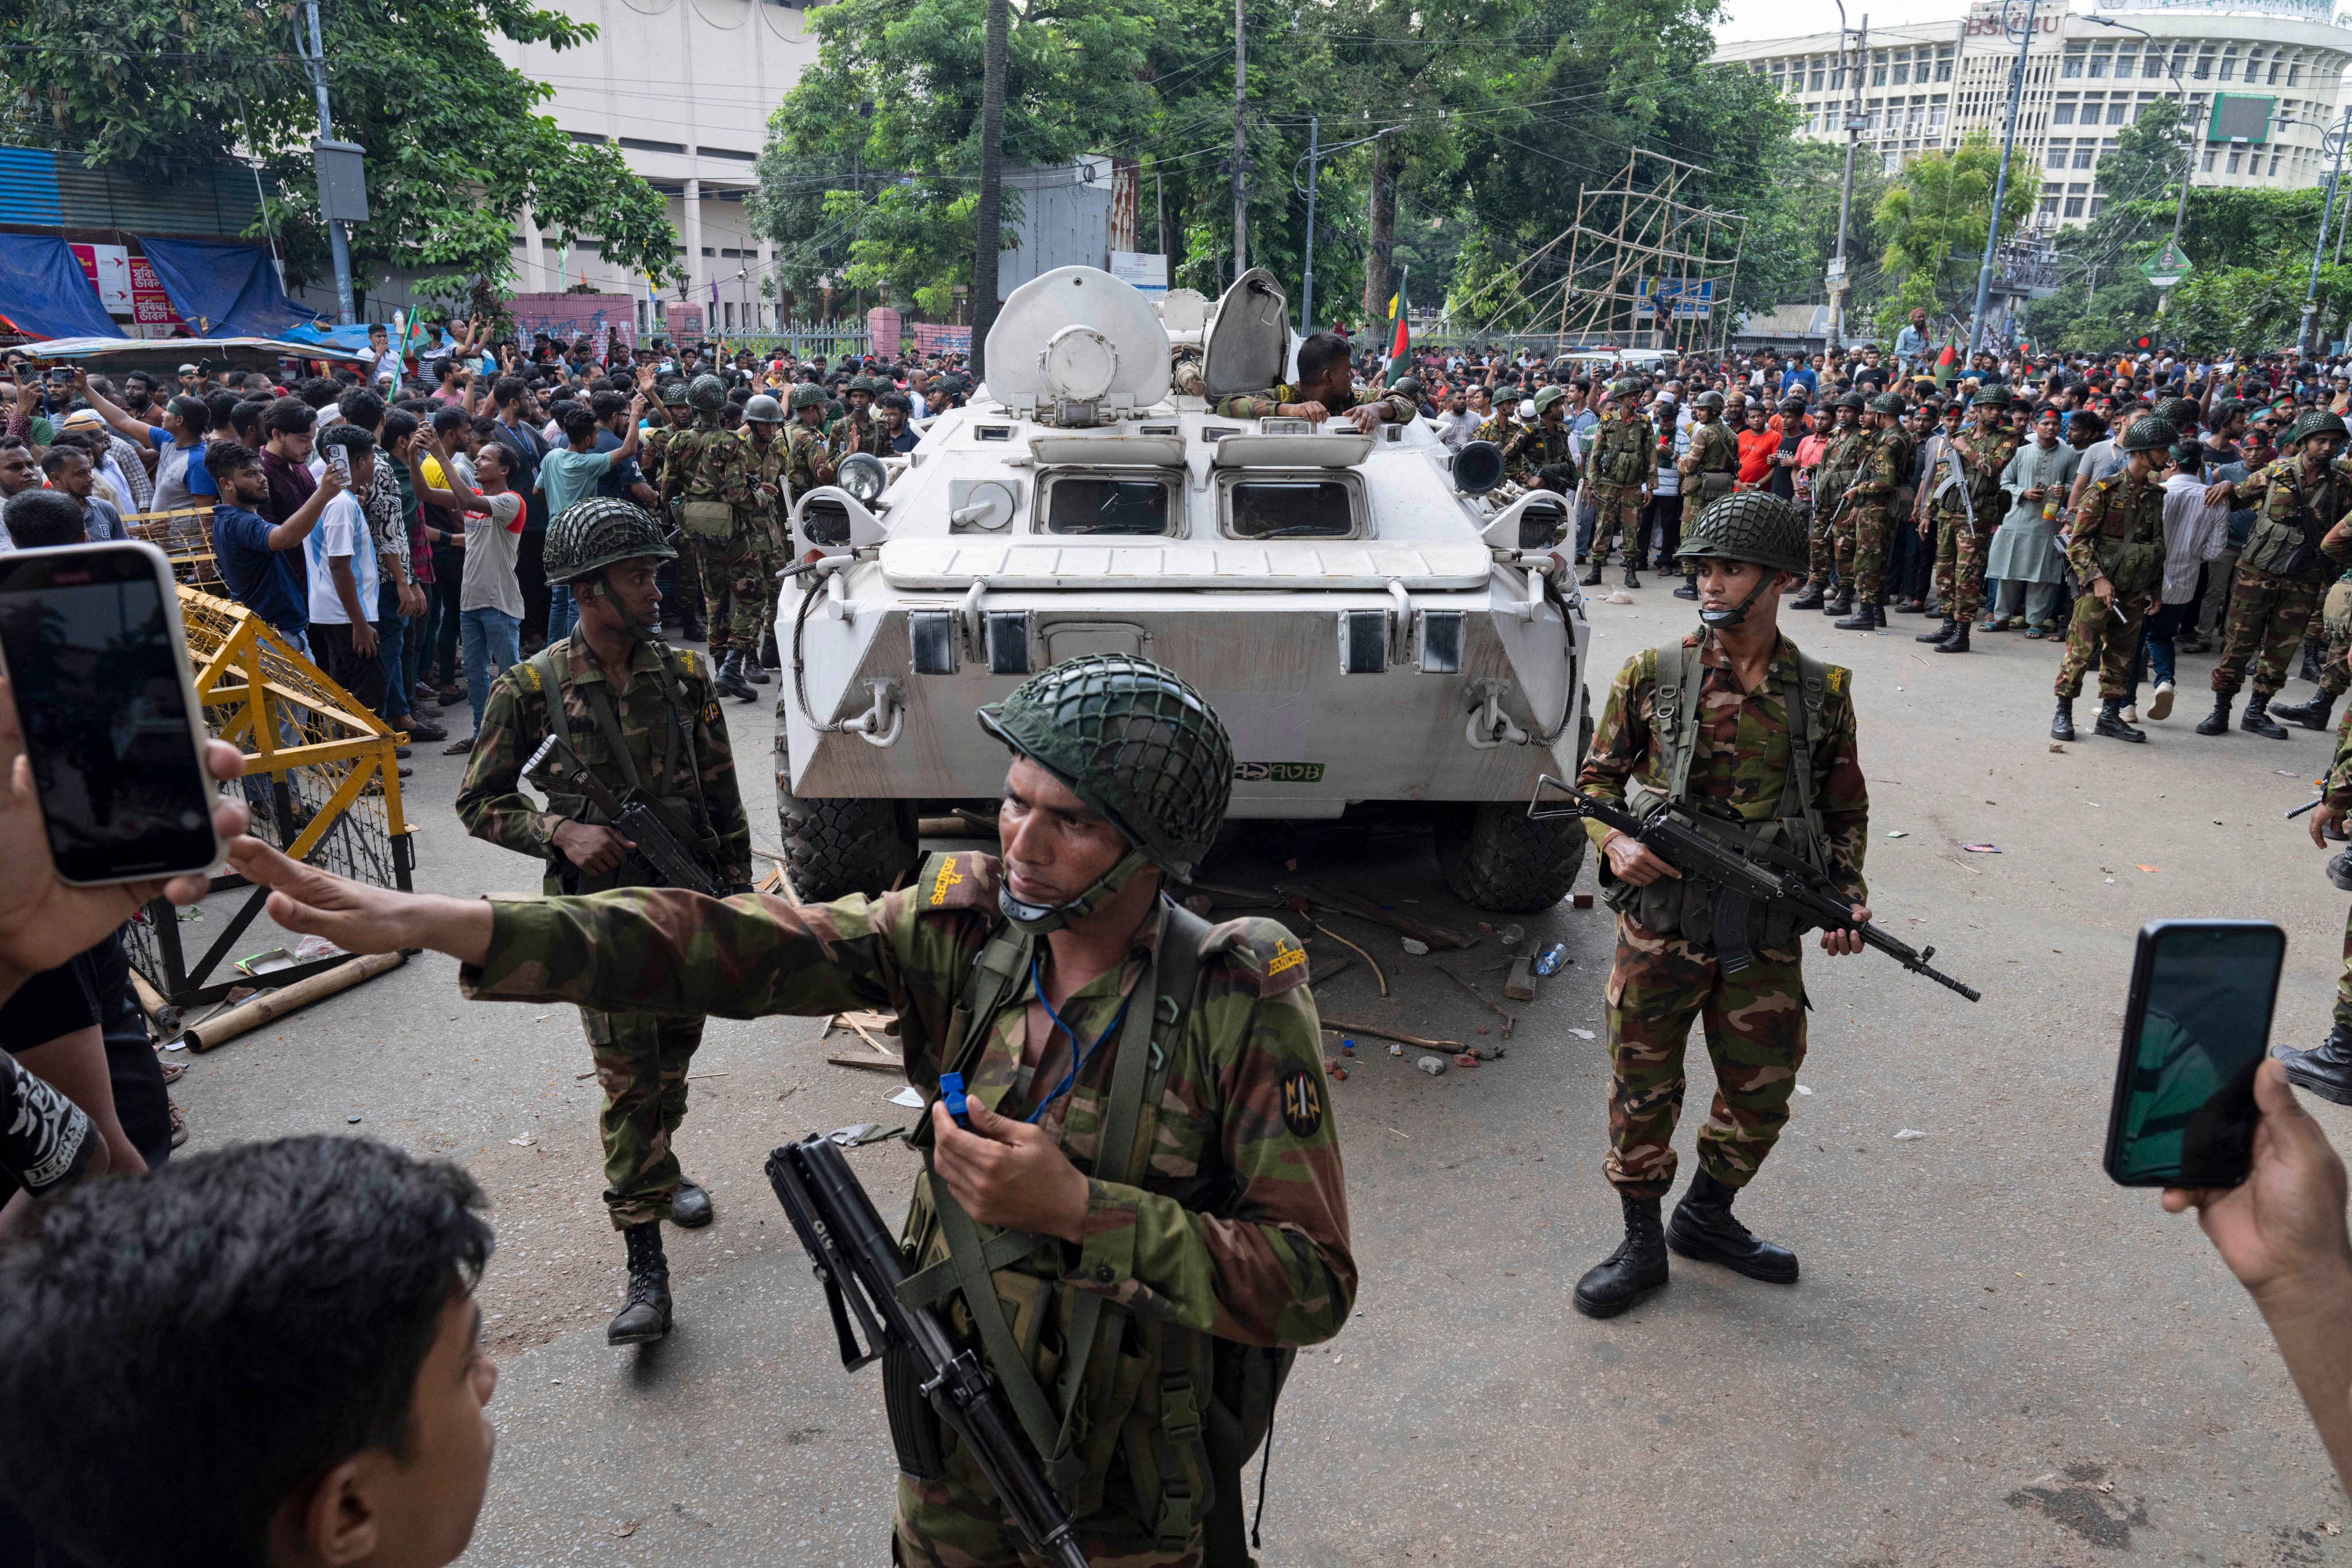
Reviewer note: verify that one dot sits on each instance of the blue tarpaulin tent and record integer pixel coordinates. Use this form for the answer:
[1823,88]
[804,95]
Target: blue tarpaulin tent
[224,291]
[45,291]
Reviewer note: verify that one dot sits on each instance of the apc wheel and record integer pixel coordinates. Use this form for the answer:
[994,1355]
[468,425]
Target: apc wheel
[836,846]
[1495,857]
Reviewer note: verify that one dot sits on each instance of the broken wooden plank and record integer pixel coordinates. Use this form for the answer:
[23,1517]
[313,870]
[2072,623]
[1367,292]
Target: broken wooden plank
[1348,904]
[868,1064]
[1521,985]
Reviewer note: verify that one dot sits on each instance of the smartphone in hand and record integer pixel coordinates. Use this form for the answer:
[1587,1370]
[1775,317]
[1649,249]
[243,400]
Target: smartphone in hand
[2196,1025]
[97,658]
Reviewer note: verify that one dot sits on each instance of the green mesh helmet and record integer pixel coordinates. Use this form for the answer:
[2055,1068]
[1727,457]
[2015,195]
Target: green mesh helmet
[672,394]
[1887,403]
[763,409]
[1507,394]
[861,384]
[599,532]
[1709,400]
[1132,740]
[1407,387]
[1547,396]
[707,395]
[1853,400]
[1996,396]
[2318,422]
[1753,525]
[2147,434]
[1623,386]
[2177,411]
[808,395]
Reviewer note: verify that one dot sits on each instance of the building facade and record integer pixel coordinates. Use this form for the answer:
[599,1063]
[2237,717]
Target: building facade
[2262,81]
[684,87]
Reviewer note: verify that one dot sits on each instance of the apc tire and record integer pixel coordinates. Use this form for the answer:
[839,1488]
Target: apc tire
[1495,857]
[836,846]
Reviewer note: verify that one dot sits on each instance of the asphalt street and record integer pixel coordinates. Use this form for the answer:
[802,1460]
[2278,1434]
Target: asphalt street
[1994,1355]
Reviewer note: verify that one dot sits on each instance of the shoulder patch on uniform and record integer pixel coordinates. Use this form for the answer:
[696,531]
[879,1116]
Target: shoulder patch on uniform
[1263,948]
[964,880]
[1302,1103]
[1839,677]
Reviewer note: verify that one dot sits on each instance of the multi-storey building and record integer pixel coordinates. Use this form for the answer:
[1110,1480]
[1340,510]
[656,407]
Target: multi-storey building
[2262,81]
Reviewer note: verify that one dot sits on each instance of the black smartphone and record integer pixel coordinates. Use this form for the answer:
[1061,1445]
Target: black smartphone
[91,638]
[2197,1025]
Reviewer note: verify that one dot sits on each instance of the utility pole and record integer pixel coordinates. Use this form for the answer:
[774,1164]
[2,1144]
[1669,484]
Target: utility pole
[1241,147]
[1845,193]
[1307,291]
[987,222]
[337,242]
[2001,181]
[2334,140]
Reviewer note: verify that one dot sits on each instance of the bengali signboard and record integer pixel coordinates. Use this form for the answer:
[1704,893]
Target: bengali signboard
[605,319]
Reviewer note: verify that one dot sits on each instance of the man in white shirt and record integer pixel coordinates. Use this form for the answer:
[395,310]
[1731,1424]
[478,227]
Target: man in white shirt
[490,598]
[387,361]
[1457,426]
[341,556]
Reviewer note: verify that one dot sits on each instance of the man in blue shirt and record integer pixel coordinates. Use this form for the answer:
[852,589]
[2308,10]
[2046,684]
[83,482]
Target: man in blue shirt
[250,550]
[1799,379]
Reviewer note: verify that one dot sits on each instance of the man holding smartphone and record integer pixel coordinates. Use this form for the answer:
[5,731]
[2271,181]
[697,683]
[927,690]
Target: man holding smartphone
[341,555]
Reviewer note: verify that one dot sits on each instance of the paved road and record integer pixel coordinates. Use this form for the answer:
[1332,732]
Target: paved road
[1994,1355]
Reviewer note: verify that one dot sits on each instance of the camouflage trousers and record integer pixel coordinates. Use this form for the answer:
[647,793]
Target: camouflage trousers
[731,584]
[2335,669]
[956,1523]
[687,579]
[1754,1036]
[1960,566]
[773,560]
[1872,531]
[2268,613]
[641,1064]
[1821,555]
[1616,520]
[2098,635]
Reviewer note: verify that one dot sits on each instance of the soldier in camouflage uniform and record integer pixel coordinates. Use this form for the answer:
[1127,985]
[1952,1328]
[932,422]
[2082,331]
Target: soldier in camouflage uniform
[641,717]
[1179,1271]
[1541,456]
[2284,570]
[1967,508]
[1620,470]
[856,430]
[2325,1069]
[1869,508]
[1325,389]
[2116,550]
[2325,664]
[672,417]
[1842,457]
[807,462]
[763,417]
[1709,467]
[709,478]
[1710,723]
[1500,427]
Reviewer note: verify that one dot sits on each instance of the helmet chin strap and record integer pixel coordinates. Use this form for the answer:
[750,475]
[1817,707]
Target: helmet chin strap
[1038,919]
[1718,619]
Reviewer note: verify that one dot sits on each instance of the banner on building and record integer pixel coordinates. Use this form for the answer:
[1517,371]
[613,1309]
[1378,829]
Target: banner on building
[683,322]
[930,338]
[152,313]
[566,316]
[1145,270]
[108,268]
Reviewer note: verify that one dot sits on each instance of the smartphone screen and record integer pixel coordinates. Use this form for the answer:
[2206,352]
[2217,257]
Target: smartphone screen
[96,660]
[2196,1027]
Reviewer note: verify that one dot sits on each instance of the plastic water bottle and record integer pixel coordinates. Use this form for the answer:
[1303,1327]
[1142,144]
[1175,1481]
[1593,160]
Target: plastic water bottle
[1552,960]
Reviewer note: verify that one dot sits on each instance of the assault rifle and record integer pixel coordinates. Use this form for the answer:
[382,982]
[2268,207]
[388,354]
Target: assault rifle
[555,766]
[861,1267]
[1742,880]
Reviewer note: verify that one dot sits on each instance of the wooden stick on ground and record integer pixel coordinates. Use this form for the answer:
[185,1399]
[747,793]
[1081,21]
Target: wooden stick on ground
[868,1064]
[1359,951]
[1507,1020]
[1334,1026]
[271,1006]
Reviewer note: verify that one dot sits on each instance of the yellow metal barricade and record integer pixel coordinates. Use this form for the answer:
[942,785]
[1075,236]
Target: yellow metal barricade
[185,535]
[321,776]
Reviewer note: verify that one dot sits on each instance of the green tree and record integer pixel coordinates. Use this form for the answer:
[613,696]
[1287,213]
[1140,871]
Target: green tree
[1933,217]
[167,87]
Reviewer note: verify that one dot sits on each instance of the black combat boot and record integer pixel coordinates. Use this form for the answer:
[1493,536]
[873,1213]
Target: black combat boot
[644,1316]
[1632,573]
[1702,1228]
[1592,578]
[2111,722]
[1865,617]
[2062,723]
[2257,718]
[1843,605]
[769,654]
[1949,629]
[749,666]
[1811,598]
[692,629]
[1637,1268]
[729,681]
[2312,715]
[2310,670]
[1957,642]
[2325,1069]
[2217,722]
[690,1210]
[1689,590]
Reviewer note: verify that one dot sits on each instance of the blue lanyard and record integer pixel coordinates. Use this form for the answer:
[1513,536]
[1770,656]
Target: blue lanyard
[1079,1059]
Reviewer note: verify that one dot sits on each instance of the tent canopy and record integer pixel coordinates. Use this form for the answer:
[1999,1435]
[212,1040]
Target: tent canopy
[229,289]
[118,356]
[45,292]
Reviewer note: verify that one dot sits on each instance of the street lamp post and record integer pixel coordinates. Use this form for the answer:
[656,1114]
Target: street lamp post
[1845,192]
[2332,142]
[2187,140]
[1315,153]
[2000,180]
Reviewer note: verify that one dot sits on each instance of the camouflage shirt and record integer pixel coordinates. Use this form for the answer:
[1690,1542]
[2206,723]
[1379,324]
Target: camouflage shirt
[1742,761]
[1394,408]
[1885,468]
[2279,492]
[1499,428]
[1537,447]
[856,432]
[707,462]
[805,453]
[1714,449]
[1239,1228]
[2118,534]
[491,804]
[1983,453]
[1843,457]
[1624,453]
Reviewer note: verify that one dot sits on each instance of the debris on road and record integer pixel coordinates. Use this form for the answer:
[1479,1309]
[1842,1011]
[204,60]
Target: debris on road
[1480,996]
[1802,1089]
[1899,833]
[1433,1066]
[1908,1134]
[1581,900]
[867,1064]
[525,1141]
[1334,1026]
[1466,1059]
[1378,973]
[1512,935]
[1348,904]
[909,1096]
[1584,1034]
[1418,949]
[1521,985]
[1552,960]
[1981,849]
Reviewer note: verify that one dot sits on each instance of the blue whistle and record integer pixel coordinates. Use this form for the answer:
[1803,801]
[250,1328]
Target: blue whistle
[952,1093]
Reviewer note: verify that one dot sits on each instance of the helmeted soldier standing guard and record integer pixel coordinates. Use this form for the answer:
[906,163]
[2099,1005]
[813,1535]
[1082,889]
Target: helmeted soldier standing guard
[1841,454]
[1619,473]
[2283,571]
[2116,551]
[1968,495]
[1735,728]
[710,476]
[640,715]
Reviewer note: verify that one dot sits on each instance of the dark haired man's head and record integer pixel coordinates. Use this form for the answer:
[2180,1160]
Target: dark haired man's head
[1319,357]
[398,426]
[292,1322]
[35,519]
[578,423]
[18,471]
[319,391]
[360,408]
[507,391]
[67,466]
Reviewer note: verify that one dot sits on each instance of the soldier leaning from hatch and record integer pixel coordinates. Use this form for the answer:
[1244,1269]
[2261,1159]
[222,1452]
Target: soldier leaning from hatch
[763,417]
[1861,557]
[718,505]
[1541,456]
[2284,570]
[1180,1273]
[2115,548]
[1967,508]
[1842,457]
[1620,469]
[1326,387]
[639,714]
[1737,727]
[674,415]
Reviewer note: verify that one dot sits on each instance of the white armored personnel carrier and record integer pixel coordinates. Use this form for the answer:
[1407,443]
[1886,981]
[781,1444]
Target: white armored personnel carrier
[1382,638]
